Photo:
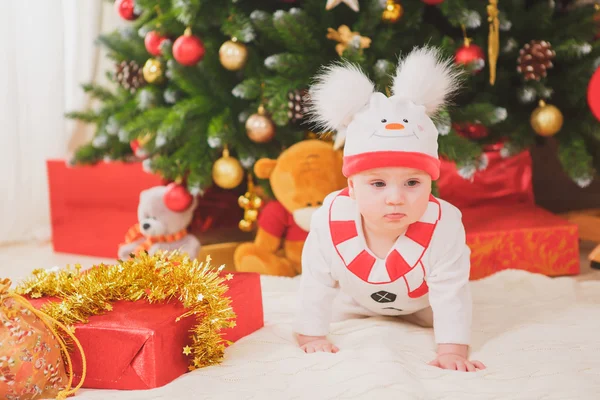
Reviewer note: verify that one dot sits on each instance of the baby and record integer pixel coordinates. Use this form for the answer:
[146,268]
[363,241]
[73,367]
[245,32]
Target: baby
[385,242]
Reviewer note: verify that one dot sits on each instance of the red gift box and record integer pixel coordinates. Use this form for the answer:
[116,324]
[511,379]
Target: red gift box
[503,181]
[92,207]
[523,237]
[505,229]
[139,345]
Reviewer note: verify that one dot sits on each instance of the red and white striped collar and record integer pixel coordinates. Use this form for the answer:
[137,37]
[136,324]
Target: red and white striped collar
[403,260]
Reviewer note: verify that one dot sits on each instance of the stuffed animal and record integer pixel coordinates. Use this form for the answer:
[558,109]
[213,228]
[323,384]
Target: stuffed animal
[300,179]
[164,213]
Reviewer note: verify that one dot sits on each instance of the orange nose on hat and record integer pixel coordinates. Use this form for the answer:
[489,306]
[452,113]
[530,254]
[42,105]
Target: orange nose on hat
[394,126]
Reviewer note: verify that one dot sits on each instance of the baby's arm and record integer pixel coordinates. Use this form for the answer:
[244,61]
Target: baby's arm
[450,296]
[317,292]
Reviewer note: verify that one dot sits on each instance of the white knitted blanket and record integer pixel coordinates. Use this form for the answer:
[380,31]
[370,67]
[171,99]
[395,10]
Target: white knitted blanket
[539,337]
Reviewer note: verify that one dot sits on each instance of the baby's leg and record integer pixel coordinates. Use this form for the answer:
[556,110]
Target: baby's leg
[422,318]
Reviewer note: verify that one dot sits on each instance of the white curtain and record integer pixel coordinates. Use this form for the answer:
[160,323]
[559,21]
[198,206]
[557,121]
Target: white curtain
[46,50]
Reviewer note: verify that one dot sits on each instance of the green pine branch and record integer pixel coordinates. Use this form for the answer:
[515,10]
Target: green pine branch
[199,109]
[296,30]
[98,92]
[84,116]
[238,26]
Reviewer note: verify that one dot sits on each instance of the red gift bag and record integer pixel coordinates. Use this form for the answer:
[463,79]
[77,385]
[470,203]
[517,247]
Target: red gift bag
[503,181]
[505,228]
[92,207]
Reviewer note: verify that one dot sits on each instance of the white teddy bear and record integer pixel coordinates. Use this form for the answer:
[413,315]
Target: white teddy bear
[164,213]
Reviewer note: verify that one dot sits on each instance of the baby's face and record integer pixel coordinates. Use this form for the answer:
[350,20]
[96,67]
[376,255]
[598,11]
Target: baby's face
[390,199]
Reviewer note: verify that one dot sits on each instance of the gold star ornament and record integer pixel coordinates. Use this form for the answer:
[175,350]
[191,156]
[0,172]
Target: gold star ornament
[345,37]
[353,4]
[187,350]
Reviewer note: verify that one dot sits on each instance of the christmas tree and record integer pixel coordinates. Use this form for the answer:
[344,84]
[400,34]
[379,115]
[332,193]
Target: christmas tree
[205,88]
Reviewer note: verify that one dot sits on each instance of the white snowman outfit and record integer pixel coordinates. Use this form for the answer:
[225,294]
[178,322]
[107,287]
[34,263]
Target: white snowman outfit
[429,264]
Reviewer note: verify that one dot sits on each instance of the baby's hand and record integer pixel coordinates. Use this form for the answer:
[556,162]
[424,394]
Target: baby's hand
[456,362]
[313,344]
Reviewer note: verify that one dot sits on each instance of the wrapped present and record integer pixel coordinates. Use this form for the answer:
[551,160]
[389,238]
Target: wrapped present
[505,229]
[504,180]
[147,343]
[92,207]
[520,236]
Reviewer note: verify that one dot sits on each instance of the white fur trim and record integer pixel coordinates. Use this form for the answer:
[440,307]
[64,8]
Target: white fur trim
[424,78]
[339,92]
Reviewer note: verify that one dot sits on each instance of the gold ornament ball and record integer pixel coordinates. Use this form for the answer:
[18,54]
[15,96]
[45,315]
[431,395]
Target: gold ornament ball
[233,55]
[392,12]
[251,215]
[256,202]
[245,226]
[153,72]
[243,201]
[260,128]
[227,172]
[546,120]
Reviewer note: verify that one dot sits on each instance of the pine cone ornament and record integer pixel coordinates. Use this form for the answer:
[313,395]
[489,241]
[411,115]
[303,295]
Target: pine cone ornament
[535,58]
[130,76]
[297,105]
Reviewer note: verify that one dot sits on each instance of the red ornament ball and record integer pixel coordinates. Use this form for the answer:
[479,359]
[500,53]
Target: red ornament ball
[177,198]
[135,145]
[432,2]
[188,49]
[593,94]
[137,149]
[153,40]
[125,8]
[472,56]
[473,131]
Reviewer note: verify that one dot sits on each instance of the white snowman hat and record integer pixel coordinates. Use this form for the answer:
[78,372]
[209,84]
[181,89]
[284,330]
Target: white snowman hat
[381,131]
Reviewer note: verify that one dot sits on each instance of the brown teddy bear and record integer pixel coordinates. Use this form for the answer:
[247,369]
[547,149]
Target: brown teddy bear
[300,179]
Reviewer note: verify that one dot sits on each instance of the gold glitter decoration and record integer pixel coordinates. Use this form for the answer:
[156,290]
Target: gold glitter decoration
[158,278]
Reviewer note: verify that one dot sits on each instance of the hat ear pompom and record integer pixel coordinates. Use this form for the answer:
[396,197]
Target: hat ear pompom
[425,78]
[339,92]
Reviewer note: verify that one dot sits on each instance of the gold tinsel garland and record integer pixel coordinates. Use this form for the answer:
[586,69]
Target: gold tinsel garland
[158,278]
